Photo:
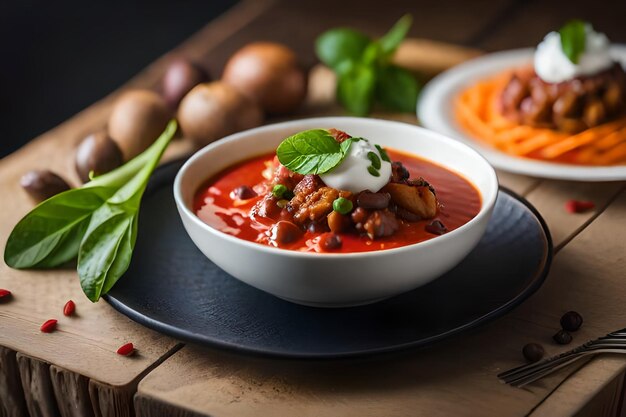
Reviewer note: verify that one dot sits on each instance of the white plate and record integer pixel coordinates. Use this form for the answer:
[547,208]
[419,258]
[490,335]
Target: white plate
[435,111]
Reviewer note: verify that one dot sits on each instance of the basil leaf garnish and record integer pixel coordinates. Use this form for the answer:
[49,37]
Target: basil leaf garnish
[97,223]
[312,152]
[573,39]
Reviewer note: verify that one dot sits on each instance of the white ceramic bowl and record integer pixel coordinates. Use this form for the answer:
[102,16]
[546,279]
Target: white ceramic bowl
[336,280]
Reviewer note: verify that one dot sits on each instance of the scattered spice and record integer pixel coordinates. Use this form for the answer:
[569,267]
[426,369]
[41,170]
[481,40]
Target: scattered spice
[126,350]
[436,227]
[49,326]
[5,294]
[533,352]
[571,321]
[576,206]
[562,337]
[69,308]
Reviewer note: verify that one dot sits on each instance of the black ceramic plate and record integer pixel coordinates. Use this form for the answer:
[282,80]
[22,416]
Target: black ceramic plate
[172,288]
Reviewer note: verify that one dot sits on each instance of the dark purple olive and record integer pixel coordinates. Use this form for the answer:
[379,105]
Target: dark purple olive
[43,184]
[97,153]
[373,201]
[533,352]
[330,241]
[243,192]
[571,321]
[285,232]
[562,337]
[180,77]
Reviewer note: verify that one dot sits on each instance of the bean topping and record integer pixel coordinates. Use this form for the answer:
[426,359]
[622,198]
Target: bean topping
[436,227]
[285,232]
[243,192]
[373,201]
[330,241]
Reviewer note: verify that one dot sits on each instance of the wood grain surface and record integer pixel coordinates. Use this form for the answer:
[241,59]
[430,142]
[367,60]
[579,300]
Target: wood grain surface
[75,371]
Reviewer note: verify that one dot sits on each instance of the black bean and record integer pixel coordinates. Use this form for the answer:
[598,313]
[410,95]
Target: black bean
[318,227]
[373,201]
[97,153]
[436,227]
[243,192]
[562,337]
[533,352]
[330,241]
[571,321]
[43,184]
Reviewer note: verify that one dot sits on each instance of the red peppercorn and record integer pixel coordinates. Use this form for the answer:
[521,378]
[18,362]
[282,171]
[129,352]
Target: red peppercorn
[576,206]
[69,308]
[49,326]
[4,293]
[126,350]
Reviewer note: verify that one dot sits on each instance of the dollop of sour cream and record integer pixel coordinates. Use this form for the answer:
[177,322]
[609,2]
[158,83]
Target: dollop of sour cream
[553,66]
[352,173]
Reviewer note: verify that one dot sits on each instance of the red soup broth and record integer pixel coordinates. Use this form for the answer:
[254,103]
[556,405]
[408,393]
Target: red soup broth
[459,202]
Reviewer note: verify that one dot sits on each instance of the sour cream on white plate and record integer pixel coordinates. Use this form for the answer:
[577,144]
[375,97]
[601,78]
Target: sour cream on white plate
[553,66]
[353,174]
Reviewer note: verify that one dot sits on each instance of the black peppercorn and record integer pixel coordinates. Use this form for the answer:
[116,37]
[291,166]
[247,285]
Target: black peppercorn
[571,321]
[562,337]
[533,352]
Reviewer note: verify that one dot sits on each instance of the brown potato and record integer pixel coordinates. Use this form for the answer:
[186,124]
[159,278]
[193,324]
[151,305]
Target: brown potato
[211,111]
[418,200]
[43,184]
[180,77]
[269,74]
[97,153]
[137,120]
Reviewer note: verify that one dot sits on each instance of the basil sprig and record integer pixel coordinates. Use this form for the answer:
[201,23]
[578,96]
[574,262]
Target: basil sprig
[573,39]
[96,223]
[365,74]
[312,152]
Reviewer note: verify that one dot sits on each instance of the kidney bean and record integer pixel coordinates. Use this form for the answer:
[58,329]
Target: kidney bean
[243,192]
[436,227]
[285,232]
[373,201]
[330,241]
[381,223]
[318,227]
[359,215]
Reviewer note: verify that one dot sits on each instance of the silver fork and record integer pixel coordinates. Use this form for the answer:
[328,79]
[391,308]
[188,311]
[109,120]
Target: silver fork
[614,342]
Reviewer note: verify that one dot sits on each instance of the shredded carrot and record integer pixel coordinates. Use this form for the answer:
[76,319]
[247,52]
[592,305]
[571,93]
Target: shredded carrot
[477,110]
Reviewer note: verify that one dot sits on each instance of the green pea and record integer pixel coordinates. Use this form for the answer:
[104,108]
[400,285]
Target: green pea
[342,205]
[374,159]
[279,190]
[373,171]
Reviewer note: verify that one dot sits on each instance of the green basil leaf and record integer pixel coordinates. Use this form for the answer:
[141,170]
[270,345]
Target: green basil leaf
[355,89]
[397,89]
[337,45]
[391,40]
[573,39]
[310,152]
[106,250]
[50,234]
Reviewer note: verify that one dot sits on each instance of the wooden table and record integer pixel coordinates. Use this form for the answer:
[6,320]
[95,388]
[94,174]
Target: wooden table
[75,371]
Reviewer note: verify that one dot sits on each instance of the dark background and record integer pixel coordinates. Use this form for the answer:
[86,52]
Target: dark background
[58,57]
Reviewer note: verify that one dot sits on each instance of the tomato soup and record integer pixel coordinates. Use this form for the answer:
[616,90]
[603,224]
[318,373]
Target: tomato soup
[459,202]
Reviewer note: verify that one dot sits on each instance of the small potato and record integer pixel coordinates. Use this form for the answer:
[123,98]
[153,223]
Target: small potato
[213,110]
[180,77]
[40,185]
[97,153]
[137,120]
[269,74]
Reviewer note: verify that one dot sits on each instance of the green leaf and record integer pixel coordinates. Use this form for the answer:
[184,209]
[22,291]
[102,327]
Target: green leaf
[573,39]
[355,89]
[337,45]
[310,152]
[397,89]
[107,246]
[391,40]
[50,234]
